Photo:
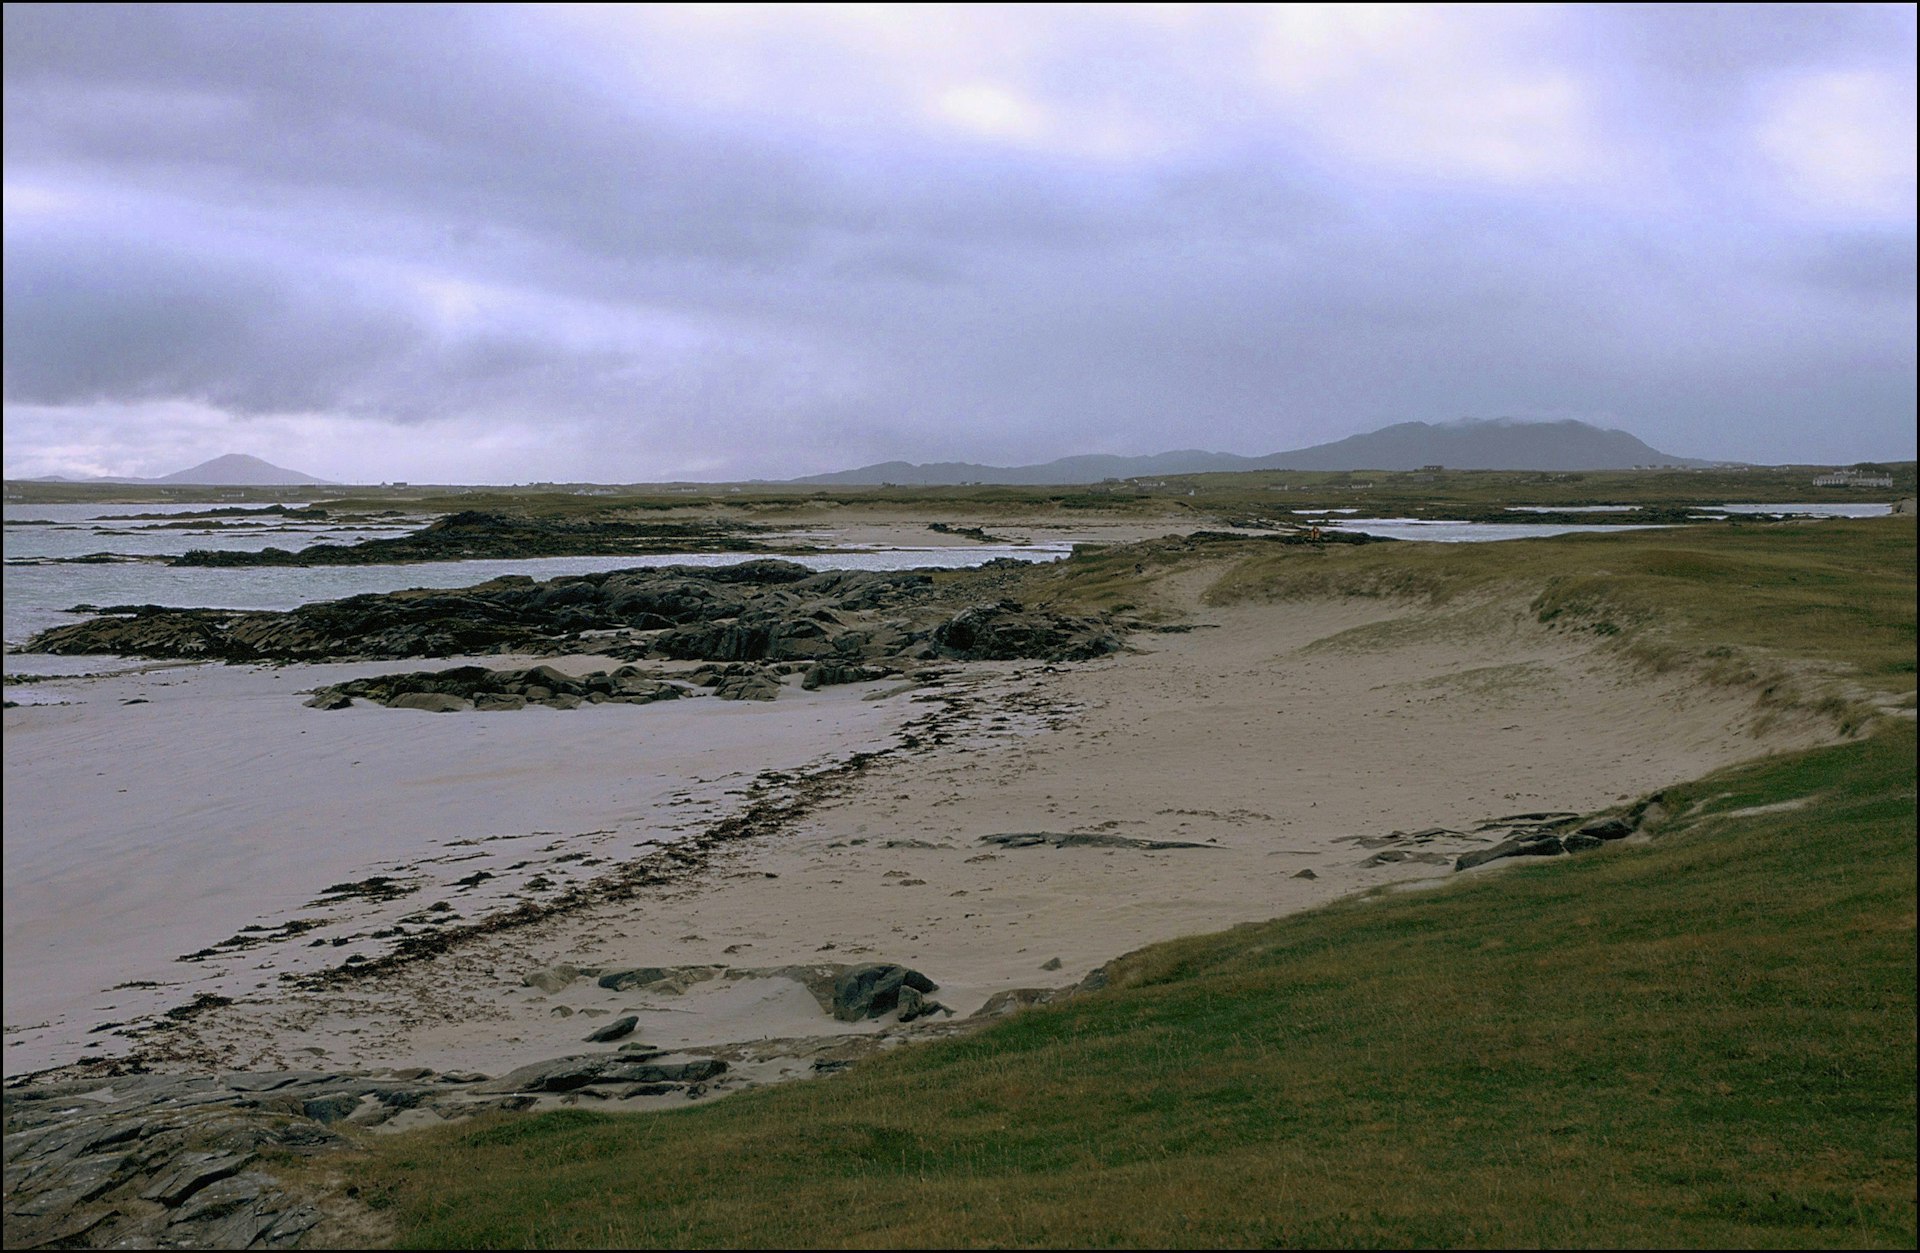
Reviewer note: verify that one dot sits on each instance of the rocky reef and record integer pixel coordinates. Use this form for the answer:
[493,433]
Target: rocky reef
[761,611]
[475,534]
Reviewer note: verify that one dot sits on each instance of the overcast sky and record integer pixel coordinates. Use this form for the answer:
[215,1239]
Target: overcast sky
[504,244]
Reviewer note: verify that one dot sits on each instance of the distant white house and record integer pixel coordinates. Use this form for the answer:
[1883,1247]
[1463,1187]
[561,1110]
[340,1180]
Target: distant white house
[1853,478]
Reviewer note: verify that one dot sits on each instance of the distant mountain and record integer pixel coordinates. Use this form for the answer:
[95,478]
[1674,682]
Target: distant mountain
[1086,469]
[240,470]
[1494,444]
[232,470]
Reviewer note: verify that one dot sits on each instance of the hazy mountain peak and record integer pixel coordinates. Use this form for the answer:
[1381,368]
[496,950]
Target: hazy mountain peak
[240,470]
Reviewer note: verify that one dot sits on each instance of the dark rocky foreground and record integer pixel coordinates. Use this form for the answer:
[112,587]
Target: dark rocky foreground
[474,534]
[205,1160]
[758,611]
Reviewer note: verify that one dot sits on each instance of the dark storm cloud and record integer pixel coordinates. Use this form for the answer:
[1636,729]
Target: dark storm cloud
[653,242]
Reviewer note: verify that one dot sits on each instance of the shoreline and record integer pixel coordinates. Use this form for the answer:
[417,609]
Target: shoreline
[1282,739]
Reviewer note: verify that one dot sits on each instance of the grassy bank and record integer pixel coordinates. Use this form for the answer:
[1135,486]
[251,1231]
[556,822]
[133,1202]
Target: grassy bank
[1708,1040]
[1810,617]
[1705,1040]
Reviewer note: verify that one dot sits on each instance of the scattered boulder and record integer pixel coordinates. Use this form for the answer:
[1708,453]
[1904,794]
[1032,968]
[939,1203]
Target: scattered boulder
[871,990]
[618,1029]
[551,979]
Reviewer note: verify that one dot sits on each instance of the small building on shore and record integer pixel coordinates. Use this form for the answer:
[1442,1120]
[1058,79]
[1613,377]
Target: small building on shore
[1853,478]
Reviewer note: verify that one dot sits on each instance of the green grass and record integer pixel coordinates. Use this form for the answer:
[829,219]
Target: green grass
[1705,1041]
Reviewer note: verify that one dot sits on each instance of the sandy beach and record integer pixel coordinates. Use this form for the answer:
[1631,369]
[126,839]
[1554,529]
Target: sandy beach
[1294,747]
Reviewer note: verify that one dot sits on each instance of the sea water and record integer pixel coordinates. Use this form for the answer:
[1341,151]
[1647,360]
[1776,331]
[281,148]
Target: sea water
[41,592]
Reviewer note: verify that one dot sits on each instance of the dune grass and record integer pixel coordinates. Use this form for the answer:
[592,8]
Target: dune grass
[1817,615]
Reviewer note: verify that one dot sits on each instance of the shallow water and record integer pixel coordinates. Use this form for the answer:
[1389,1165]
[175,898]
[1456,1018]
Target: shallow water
[1864,509]
[137,837]
[1438,532]
[1572,508]
[37,596]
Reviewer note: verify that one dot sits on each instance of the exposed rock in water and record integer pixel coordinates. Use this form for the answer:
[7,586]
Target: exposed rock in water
[753,611]
[842,626]
[474,534]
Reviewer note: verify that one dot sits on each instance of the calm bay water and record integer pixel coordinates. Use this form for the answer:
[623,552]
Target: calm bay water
[38,595]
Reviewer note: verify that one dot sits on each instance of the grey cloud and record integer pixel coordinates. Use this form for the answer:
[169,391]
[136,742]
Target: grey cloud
[259,184]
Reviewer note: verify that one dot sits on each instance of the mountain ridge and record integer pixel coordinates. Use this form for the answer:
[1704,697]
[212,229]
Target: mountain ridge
[1472,444]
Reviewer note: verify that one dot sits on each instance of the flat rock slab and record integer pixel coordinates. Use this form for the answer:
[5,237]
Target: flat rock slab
[1534,846]
[619,1028]
[192,1172]
[566,1074]
[1034,839]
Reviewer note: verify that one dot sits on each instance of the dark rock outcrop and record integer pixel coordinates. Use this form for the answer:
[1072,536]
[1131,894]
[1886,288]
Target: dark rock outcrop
[475,534]
[483,689]
[753,611]
[1006,630]
[869,991]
